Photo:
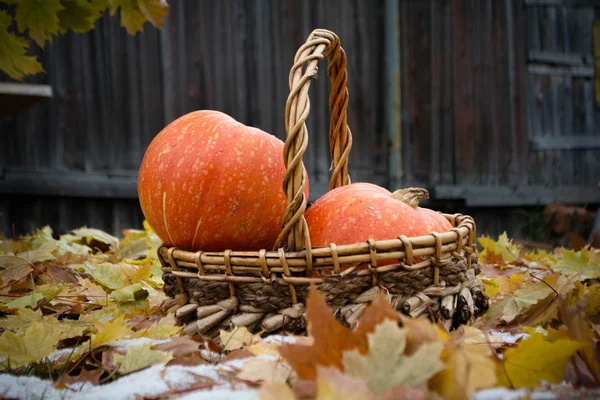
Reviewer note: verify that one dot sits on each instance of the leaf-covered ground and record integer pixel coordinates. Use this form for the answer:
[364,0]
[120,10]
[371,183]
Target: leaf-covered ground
[83,316]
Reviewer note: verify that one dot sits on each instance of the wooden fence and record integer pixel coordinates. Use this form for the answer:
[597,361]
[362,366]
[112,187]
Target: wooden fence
[488,103]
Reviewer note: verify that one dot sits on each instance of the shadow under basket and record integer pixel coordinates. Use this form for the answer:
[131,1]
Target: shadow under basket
[432,276]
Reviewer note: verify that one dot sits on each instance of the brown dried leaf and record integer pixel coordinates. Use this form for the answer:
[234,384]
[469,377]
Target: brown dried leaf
[190,360]
[238,354]
[332,339]
[579,329]
[90,376]
[180,346]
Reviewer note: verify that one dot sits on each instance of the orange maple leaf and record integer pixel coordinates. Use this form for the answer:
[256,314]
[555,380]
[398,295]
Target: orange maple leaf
[331,338]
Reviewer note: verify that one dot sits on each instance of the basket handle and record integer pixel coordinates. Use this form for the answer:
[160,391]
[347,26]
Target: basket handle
[320,43]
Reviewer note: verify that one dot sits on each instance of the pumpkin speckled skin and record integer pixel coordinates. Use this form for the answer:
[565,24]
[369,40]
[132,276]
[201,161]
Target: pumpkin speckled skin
[361,211]
[210,183]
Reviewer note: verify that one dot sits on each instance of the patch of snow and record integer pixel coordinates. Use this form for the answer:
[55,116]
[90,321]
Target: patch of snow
[238,363]
[221,394]
[211,355]
[507,394]
[27,387]
[56,355]
[126,344]
[280,339]
[508,337]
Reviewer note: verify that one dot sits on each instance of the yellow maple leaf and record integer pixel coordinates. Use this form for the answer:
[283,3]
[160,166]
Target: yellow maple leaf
[502,250]
[160,331]
[22,320]
[140,357]
[468,367]
[110,331]
[36,343]
[259,369]
[237,338]
[386,365]
[536,359]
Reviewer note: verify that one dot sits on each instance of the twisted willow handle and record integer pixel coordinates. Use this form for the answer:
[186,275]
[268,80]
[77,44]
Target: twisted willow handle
[320,43]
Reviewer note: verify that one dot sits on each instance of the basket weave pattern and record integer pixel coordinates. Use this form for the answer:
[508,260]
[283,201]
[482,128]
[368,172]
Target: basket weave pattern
[432,275]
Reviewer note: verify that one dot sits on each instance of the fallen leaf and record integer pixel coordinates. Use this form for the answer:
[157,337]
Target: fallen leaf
[36,343]
[89,235]
[260,369]
[585,262]
[179,346]
[579,329]
[536,359]
[502,250]
[30,300]
[238,354]
[386,365]
[91,377]
[110,331]
[468,367]
[420,332]
[333,384]
[189,360]
[236,338]
[13,268]
[276,391]
[140,357]
[22,320]
[264,349]
[161,331]
[105,273]
[332,339]
[129,293]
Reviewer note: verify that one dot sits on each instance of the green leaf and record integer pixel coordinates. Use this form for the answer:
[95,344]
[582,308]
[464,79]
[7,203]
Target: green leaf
[154,10]
[106,274]
[78,15]
[30,300]
[586,262]
[139,357]
[129,293]
[39,17]
[132,18]
[13,49]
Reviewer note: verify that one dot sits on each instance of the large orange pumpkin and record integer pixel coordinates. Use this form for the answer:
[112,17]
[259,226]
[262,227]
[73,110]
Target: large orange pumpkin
[208,182]
[358,212]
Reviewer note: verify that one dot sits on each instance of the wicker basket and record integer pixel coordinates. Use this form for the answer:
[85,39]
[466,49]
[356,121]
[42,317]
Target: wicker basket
[433,275]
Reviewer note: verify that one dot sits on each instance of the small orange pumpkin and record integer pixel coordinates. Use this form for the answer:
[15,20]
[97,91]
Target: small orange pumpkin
[361,211]
[208,182]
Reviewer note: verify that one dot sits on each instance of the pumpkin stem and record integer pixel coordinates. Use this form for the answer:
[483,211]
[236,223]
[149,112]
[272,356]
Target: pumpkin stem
[411,196]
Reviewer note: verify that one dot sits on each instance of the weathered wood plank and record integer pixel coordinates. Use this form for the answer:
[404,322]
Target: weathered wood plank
[116,184]
[565,142]
[464,107]
[513,196]
[565,3]
[558,58]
